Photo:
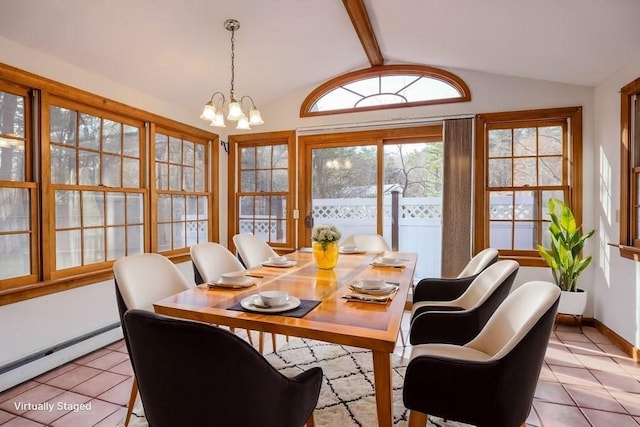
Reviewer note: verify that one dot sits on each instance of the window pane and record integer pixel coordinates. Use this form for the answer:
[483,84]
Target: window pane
[550,140]
[278,207]
[89,167]
[246,205]
[14,215]
[280,180]
[263,157]
[203,207]
[164,208]
[203,231]
[501,205]
[175,175]
[499,172]
[187,179]
[248,156]
[63,165]
[89,132]
[162,176]
[500,143]
[525,206]
[92,208]
[62,126]
[248,181]
[263,180]
[429,89]
[192,233]
[278,231]
[115,209]
[135,209]
[116,243]
[131,141]
[68,249]
[546,196]
[164,237]
[11,114]
[135,239]
[188,153]
[524,171]
[94,245]
[178,208]
[111,136]
[67,209]
[162,147]
[500,234]
[131,173]
[281,156]
[200,168]
[15,255]
[524,142]
[175,150]
[525,235]
[12,158]
[550,170]
[179,238]
[111,170]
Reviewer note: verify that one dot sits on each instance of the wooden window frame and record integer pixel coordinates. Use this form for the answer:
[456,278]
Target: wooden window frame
[572,159]
[629,146]
[385,70]
[44,283]
[236,142]
[210,170]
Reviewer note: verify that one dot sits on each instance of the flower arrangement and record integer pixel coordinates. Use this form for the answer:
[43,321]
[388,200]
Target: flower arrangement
[326,234]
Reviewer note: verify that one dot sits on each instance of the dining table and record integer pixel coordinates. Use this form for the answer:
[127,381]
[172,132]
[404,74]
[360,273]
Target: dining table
[333,318]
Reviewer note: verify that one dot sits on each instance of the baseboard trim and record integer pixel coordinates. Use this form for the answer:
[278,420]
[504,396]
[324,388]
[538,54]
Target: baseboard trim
[623,344]
[38,363]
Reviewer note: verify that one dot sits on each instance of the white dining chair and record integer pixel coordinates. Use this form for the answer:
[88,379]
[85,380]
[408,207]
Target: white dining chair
[140,281]
[366,242]
[252,250]
[209,261]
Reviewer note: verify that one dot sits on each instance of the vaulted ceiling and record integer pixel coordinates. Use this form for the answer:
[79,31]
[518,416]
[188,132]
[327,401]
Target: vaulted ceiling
[179,51]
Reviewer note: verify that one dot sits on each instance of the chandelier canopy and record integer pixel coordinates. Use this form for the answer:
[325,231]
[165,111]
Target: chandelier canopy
[215,109]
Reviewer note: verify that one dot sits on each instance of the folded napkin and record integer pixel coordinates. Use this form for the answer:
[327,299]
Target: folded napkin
[354,295]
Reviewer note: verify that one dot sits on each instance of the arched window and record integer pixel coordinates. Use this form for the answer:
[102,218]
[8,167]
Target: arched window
[390,86]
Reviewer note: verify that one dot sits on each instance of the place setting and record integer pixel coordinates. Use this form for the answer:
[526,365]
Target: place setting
[372,290]
[279,261]
[234,280]
[275,302]
[388,261]
[351,250]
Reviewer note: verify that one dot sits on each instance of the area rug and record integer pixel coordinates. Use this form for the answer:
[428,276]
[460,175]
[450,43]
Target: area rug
[347,397]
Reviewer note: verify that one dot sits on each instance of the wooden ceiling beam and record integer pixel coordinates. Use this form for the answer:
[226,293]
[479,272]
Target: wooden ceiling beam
[360,20]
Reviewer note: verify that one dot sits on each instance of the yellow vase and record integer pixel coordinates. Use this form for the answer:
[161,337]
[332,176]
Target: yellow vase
[325,254]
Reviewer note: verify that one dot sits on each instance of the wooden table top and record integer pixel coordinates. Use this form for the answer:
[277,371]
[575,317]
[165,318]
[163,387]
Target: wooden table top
[335,319]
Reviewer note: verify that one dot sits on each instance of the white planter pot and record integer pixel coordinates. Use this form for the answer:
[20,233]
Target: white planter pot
[572,303]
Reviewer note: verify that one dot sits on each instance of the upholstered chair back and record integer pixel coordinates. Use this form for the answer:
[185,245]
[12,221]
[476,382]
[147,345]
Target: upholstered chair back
[479,262]
[212,259]
[484,285]
[252,249]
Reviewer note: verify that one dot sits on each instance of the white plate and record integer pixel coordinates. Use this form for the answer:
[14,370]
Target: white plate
[248,304]
[385,289]
[239,282]
[351,251]
[289,263]
[378,263]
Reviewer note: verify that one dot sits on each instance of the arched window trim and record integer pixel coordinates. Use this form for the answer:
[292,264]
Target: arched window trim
[385,70]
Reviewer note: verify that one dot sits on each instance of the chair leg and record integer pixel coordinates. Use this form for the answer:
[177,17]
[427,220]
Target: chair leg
[310,422]
[273,342]
[132,401]
[261,342]
[249,335]
[417,419]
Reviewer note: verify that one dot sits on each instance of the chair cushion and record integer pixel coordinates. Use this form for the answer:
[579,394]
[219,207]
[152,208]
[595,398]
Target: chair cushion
[449,351]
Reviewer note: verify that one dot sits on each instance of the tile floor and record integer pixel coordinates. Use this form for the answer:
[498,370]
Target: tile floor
[586,381]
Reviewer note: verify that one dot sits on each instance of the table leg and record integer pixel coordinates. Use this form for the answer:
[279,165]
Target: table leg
[382,380]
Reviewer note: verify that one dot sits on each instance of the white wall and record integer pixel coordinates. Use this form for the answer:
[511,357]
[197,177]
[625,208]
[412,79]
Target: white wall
[78,311]
[616,279]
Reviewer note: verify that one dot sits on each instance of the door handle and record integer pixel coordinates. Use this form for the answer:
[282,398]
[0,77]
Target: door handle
[308,221]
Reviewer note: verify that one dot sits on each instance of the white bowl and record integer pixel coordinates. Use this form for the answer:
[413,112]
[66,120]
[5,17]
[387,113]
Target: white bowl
[389,260]
[274,298]
[370,284]
[278,260]
[232,277]
[348,248]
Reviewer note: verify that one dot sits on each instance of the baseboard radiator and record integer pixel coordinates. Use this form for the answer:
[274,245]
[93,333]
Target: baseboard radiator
[30,366]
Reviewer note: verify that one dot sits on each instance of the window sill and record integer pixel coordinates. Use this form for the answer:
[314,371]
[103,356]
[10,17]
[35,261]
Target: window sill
[629,252]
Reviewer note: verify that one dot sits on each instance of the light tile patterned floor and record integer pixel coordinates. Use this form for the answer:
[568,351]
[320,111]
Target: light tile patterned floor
[586,381]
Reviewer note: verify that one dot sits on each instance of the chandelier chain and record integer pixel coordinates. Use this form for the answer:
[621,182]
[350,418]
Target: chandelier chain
[233,67]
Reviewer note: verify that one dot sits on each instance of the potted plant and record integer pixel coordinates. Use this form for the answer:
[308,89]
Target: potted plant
[325,246]
[565,257]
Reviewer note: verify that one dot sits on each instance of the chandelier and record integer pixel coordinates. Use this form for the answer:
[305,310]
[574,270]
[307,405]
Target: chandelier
[214,109]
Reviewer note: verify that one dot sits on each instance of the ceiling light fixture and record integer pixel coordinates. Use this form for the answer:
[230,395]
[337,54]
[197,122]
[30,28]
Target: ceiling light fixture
[217,105]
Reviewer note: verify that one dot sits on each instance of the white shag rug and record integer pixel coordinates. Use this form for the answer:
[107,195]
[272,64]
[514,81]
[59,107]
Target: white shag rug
[347,397]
